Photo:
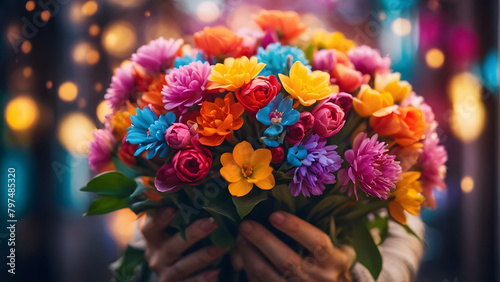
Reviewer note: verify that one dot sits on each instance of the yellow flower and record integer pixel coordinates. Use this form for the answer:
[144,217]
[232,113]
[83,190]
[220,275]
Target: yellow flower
[407,196]
[369,101]
[245,167]
[120,121]
[335,40]
[392,84]
[307,88]
[234,73]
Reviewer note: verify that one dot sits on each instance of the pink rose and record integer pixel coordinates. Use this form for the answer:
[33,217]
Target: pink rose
[328,119]
[258,93]
[178,136]
[307,120]
[277,155]
[343,100]
[188,167]
[349,79]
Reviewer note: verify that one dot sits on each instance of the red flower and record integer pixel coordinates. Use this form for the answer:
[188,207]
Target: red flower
[258,93]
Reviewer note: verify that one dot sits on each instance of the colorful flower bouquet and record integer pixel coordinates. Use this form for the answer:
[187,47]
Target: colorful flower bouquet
[280,119]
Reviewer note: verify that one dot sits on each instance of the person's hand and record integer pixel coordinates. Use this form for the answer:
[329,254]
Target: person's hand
[164,252]
[266,258]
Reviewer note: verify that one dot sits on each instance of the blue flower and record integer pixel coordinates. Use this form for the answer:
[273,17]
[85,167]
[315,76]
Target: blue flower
[148,131]
[275,57]
[276,114]
[186,60]
[296,155]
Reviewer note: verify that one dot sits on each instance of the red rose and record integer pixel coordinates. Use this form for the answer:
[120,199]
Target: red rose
[258,93]
[295,133]
[277,155]
[126,154]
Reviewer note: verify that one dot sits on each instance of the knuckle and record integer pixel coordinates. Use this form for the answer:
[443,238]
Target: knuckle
[154,263]
[177,271]
[290,263]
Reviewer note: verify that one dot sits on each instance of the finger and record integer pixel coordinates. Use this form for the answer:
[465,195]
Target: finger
[206,276]
[193,262]
[282,256]
[256,266]
[312,238]
[176,245]
[154,226]
[236,258]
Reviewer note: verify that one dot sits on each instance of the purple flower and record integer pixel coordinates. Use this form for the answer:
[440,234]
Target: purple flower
[122,88]
[316,164]
[158,54]
[100,149]
[432,161]
[185,86]
[324,60]
[368,60]
[370,168]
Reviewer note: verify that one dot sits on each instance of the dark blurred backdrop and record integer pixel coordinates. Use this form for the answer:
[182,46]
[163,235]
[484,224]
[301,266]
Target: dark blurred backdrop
[57,58]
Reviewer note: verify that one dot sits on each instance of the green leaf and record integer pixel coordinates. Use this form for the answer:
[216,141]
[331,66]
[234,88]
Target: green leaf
[284,198]
[326,206]
[244,205]
[111,184]
[106,204]
[221,237]
[382,224]
[367,252]
[129,261]
[125,169]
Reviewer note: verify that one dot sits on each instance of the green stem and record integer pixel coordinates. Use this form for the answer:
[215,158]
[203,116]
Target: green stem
[364,210]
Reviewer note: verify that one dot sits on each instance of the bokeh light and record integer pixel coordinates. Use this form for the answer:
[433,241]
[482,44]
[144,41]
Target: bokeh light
[89,8]
[467,184]
[119,39]
[98,86]
[74,131]
[162,27]
[401,26]
[207,11]
[48,84]
[27,72]
[94,30]
[26,47]
[434,58]
[121,224]
[45,16]
[84,53]
[463,86]
[102,110]
[68,91]
[30,6]
[127,3]
[21,113]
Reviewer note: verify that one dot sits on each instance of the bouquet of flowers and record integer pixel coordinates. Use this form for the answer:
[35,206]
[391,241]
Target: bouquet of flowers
[243,124]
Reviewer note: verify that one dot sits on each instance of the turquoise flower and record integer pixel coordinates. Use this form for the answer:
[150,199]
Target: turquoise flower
[276,114]
[148,131]
[186,60]
[275,57]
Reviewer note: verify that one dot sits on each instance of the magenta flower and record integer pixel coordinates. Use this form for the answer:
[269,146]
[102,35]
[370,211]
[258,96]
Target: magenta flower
[432,161]
[368,60]
[343,100]
[328,119]
[370,168]
[324,60]
[315,164]
[100,149]
[188,166]
[158,54]
[122,88]
[178,136]
[185,86]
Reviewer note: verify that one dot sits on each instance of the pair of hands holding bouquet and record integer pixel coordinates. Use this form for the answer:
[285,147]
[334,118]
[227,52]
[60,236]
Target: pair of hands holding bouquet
[262,255]
[249,123]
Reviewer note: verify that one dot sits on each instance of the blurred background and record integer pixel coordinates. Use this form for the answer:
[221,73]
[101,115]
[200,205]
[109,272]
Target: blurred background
[57,58]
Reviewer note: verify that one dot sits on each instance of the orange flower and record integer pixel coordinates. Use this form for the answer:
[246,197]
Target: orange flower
[393,84]
[405,124]
[153,95]
[369,101]
[287,25]
[120,121]
[217,120]
[218,41]
[245,167]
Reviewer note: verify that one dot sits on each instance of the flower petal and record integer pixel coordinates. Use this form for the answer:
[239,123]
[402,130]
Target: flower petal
[242,153]
[231,173]
[240,188]
[267,183]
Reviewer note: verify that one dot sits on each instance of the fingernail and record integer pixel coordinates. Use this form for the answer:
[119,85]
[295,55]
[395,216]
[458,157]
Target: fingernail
[215,252]
[166,213]
[207,224]
[246,227]
[277,218]
[212,274]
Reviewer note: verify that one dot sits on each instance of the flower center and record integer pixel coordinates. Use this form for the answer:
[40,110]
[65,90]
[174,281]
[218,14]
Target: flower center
[246,170]
[275,117]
